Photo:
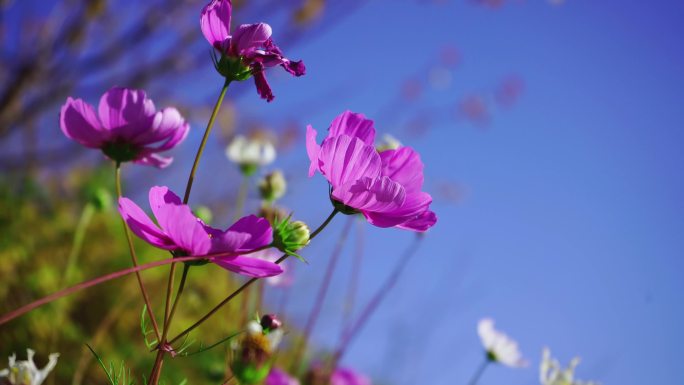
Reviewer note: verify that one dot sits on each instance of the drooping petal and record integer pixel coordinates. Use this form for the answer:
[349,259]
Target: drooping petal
[126,112]
[380,194]
[404,166]
[247,234]
[344,159]
[420,223]
[249,266]
[355,125]
[160,196]
[142,226]
[78,121]
[249,36]
[215,23]
[312,149]
[152,159]
[185,229]
[413,206]
[263,89]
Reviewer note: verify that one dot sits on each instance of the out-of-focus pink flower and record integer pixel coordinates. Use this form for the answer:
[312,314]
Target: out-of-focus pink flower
[181,232]
[474,109]
[280,377]
[509,90]
[384,186]
[127,127]
[250,46]
[345,376]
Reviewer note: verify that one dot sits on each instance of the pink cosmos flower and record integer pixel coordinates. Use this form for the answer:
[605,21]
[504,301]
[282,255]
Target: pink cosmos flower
[251,44]
[344,376]
[384,186]
[126,128]
[179,231]
[279,377]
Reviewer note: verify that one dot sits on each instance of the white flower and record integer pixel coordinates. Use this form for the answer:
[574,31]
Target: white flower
[274,336]
[251,151]
[550,372]
[26,372]
[499,346]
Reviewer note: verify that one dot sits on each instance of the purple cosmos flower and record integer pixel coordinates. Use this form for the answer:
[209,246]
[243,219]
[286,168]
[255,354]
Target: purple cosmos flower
[344,376]
[249,51]
[181,232]
[280,377]
[384,186]
[128,128]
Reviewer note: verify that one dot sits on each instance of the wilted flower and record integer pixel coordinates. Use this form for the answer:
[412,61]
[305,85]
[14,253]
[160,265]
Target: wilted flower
[253,354]
[280,377]
[290,236]
[250,153]
[550,372]
[184,234]
[385,187]
[248,52]
[129,128]
[26,372]
[273,186]
[500,348]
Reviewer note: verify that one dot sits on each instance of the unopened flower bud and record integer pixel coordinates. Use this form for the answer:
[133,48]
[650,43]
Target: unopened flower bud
[272,213]
[289,237]
[273,186]
[270,322]
[101,199]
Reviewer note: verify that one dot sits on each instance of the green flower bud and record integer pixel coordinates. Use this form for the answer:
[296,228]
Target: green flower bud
[289,236]
[232,68]
[101,199]
[273,186]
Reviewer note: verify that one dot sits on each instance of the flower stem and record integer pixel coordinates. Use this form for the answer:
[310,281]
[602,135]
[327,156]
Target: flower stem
[374,303]
[247,284]
[134,257]
[320,297]
[93,282]
[478,372]
[200,150]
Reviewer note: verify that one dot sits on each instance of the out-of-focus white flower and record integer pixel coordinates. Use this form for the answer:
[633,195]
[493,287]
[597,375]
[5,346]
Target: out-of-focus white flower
[388,142]
[550,372]
[274,335]
[251,152]
[284,279]
[500,347]
[26,372]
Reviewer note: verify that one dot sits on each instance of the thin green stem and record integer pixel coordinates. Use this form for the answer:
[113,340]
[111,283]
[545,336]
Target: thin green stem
[200,150]
[247,284]
[134,257]
[320,297]
[181,286]
[478,372]
[77,245]
[241,197]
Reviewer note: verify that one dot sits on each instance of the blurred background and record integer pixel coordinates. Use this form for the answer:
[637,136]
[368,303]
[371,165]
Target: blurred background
[552,134]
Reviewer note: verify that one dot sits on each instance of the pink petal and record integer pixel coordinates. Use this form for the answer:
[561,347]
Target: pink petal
[249,36]
[142,226]
[344,376]
[167,125]
[185,229]
[413,207]
[215,23]
[160,196]
[354,125]
[404,166]
[151,159]
[343,159]
[263,89]
[247,234]
[312,149]
[381,194]
[251,267]
[421,223]
[78,122]
[126,112]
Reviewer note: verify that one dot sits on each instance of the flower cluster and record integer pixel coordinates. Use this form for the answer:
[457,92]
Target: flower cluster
[550,372]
